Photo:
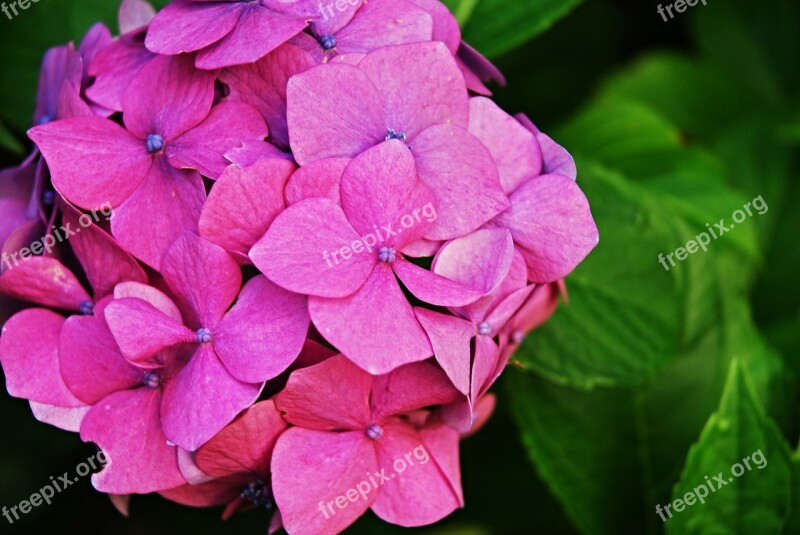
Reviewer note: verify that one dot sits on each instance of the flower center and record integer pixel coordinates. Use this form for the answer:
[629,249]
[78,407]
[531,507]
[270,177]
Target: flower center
[328,41]
[87,308]
[387,255]
[258,494]
[374,431]
[484,328]
[154,143]
[204,336]
[396,135]
[152,379]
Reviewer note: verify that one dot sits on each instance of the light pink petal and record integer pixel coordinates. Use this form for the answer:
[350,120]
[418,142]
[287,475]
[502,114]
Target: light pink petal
[435,289]
[464,179]
[204,147]
[263,85]
[506,308]
[141,330]
[516,280]
[168,96]
[127,427]
[189,469]
[311,467]
[422,248]
[166,205]
[243,203]
[245,446]
[441,442]
[302,251]
[44,281]
[445,25]
[483,410]
[379,24]
[321,178]
[409,388]
[90,361]
[551,221]
[334,111]
[263,333]
[556,160]
[258,32]
[419,492]
[29,354]
[66,418]
[203,276]
[186,26]
[202,399]
[134,14]
[114,68]
[252,152]
[389,208]
[450,337]
[539,307]
[92,160]
[513,147]
[375,327]
[155,297]
[486,359]
[336,384]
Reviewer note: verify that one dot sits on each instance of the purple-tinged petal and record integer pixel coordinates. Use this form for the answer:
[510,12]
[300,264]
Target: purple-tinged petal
[70,103]
[299,251]
[450,337]
[204,147]
[114,68]
[251,198]
[336,384]
[435,289]
[126,425]
[375,327]
[321,178]
[16,185]
[96,39]
[202,399]
[134,14]
[445,25]
[479,66]
[556,160]
[44,281]
[379,24]
[92,160]
[60,64]
[186,26]
[263,333]
[409,388]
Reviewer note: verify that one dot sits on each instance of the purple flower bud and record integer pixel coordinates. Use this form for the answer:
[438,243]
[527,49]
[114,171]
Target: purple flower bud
[387,255]
[154,143]
[204,336]
[374,431]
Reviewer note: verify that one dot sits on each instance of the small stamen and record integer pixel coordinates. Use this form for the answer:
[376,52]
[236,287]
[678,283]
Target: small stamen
[87,308]
[152,379]
[258,494]
[374,431]
[204,336]
[154,143]
[328,41]
[484,328]
[387,255]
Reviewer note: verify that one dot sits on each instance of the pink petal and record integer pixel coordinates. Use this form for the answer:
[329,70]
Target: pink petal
[252,152]
[556,160]
[479,260]
[334,111]
[479,68]
[435,289]
[202,399]
[215,492]
[232,200]
[203,276]
[442,443]
[311,469]
[60,64]
[464,179]
[551,221]
[516,280]
[486,359]
[168,96]
[204,147]
[114,68]
[263,333]
[375,327]
[153,296]
[317,179]
[513,147]
[420,86]
[335,384]
[379,24]
[186,26]
[450,337]
[66,418]
[92,161]
[127,427]
[445,25]
[70,103]
[44,281]
[166,205]
[409,388]
[134,14]
[299,252]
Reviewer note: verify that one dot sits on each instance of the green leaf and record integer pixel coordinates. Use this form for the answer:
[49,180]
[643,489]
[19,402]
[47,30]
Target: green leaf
[9,142]
[752,499]
[793,522]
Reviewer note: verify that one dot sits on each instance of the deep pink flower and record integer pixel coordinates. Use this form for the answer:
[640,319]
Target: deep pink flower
[350,427]
[231,353]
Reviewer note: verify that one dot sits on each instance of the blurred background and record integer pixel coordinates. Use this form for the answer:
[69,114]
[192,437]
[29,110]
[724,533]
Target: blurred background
[648,379]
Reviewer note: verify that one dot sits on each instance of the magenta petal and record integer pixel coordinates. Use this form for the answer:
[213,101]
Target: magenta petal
[379,24]
[435,289]
[441,442]
[114,67]
[333,111]
[420,494]
[232,201]
[60,64]
[168,96]
[90,361]
[299,252]
[66,418]
[133,14]
[445,25]
[321,178]
[141,331]
[336,384]
[556,159]
[202,399]
[204,147]
[263,333]
[464,178]
[70,103]
[29,354]
[480,260]
[410,388]
[44,281]
[421,86]
[167,204]
[513,147]
[375,327]
[92,160]
[126,425]
[250,153]
[450,337]
[186,26]
[551,221]
[155,297]
[204,277]
[310,467]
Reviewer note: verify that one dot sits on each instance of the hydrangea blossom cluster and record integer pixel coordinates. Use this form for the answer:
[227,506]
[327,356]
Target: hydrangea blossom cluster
[327,242]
